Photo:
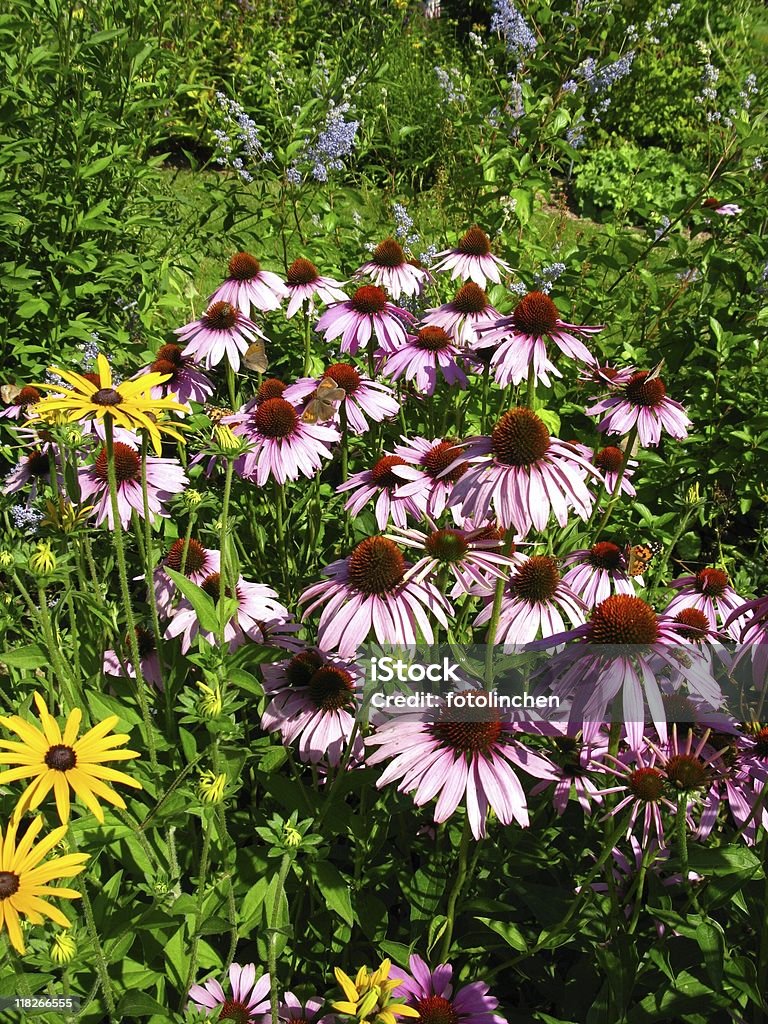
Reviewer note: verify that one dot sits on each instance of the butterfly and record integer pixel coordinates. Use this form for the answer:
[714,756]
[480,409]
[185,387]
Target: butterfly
[255,357]
[639,557]
[322,405]
[216,413]
[8,392]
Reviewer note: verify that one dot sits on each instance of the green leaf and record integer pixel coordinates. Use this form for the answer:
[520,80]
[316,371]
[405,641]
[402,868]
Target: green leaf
[203,603]
[712,944]
[335,890]
[31,656]
[139,1004]
[508,931]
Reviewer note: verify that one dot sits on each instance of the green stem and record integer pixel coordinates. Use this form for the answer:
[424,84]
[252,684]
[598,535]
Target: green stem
[495,615]
[60,667]
[307,339]
[484,413]
[201,879]
[344,441]
[453,898]
[149,559]
[531,397]
[682,838]
[101,963]
[285,866]
[187,538]
[631,438]
[228,584]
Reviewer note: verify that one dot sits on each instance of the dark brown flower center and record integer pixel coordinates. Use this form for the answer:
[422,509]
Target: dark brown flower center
[436,1010]
[605,555]
[470,298]
[622,619]
[233,1009]
[376,566]
[27,396]
[107,396]
[331,688]
[610,459]
[520,438]
[220,316]
[712,582]
[382,475]
[9,884]
[678,707]
[345,376]
[474,243]
[269,388]
[761,742]
[38,464]
[302,667]
[439,458]
[164,366]
[60,758]
[692,623]
[145,640]
[369,299]
[388,253]
[243,266]
[640,391]
[195,560]
[536,580]
[212,586]
[171,353]
[686,772]
[275,418]
[647,784]
[476,733]
[301,271]
[433,339]
[535,314]
[446,545]
[127,464]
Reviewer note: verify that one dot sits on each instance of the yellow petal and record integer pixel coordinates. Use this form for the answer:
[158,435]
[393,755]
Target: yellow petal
[14,929]
[346,983]
[104,371]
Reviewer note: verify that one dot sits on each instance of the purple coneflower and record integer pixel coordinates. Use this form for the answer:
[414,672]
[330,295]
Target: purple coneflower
[430,480]
[642,404]
[472,558]
[22,405]
[186,381]
[533,605]
[739,774]
[612,376]
[753,636]
[222,331]
[521,345]
[165,477]
[248,1001]
[609,461]
[199,563]
[643,788]
[282,446]
[248,286]
[368,313]
[381,482]
[426,355]
[598,572]
[450,754]
[472,259]
[389,268]
[574,763]
[293,1011]
[148,659]
[711,592]
[467,311]
[314,699]
[368,591]
[363,396]
[431,993]
[524,474]
[35,469]
[304,282]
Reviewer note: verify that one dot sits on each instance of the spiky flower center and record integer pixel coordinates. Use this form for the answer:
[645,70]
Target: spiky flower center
[345,376]
[331,688]
[171,353]
[678,707]
[269,388]
[477,732]
[382,475]
[369,299]
[761,742]
[436,1010]
[38,464]
[686,772]
[388,253]
[470,298]
[520,438]
[693,624]
[439,458]
[474,243]
[433,339]
[302,667]
[275,418]
[641,391]
[647,784]
[605,555]
[536,580]
[9,884]
[60,758]
[610,459]
[302,271]
[446,545]
[622,619]
[712,582]
[164,366]
[195,560]
[233,1009]
[535,314]
[212,586]
[243,266]
[220,316]
[127,464]
[107,396]
[145,640]
[376,566]
[28,396]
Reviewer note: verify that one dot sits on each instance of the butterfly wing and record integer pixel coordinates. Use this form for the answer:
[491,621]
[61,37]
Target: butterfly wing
[255,357]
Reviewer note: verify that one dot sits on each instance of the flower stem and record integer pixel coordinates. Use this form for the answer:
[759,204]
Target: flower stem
[495,615]
[101,963]
[307,339]
[631,438]
[285,866]
[484,413]
[453,897]
[187,538]
[149,557]
[203,873]
[682,838]
[344,441]
[59,665]
[228,584]
[531,398]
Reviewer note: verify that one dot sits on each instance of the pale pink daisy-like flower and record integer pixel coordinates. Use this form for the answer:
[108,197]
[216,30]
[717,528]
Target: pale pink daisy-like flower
[314,700]
[381,482]
[642,404]
[598,572]
[431,993]
[362,396]
[165,477]
[366,314]
[472,753]
[389,268]
[35,469]
[196,564]
[534,604]
[185,381]
[23,405]
[472,259]
[520,340]
[249,287]
[223,331]
[711,592]
[424,358]
[524,474]
[464,315]
[612,376]
[643,789]
[428,477]
[574,764]
[248,1001]
[293,1011]
[148,659]
[304,282]
[282,446]
[368,591]
[257,608]
[752,636]
[609,461]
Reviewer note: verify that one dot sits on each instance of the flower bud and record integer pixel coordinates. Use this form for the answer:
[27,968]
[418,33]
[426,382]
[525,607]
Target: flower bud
[63,948]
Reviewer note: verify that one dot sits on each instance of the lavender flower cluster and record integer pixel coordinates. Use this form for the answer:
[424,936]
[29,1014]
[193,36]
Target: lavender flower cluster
[652,25]
[450,82]
[547,276]
[334,144]
[403,225]
[25,517]
[512,27]
[239,136]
